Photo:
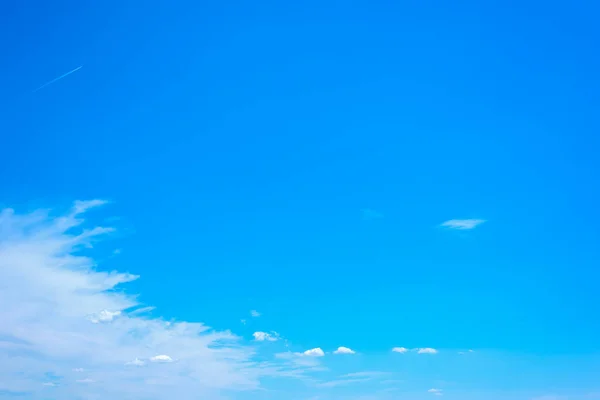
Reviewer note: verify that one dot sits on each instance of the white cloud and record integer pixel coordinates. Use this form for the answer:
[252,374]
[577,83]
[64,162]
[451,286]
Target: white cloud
[254,313]
[55,291]
[137,362]
[437,392]
[344,350]
[162,358]
[104,316]
[264,336]
[401,350]
[427,350]
[243,321]
[316,352]
[462,224]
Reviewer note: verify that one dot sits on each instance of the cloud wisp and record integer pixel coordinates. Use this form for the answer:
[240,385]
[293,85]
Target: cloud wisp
[58,78]
[265,336]
[462,224]
[66,318]
[419,350]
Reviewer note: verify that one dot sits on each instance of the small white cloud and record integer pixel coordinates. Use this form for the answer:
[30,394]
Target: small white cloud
[254,313]
[316,352]
[243,321]
[344,350]
[137,362]
[462,224]
[400,350]
[117,251]
[77,369]
[427,350]
[465,352]
[264,336]
[81,206]
[86,380]
[437,392]
[161,359]
[51,384]
[104,316]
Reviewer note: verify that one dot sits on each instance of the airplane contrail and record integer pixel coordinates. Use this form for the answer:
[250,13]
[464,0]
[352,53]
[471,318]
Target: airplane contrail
[57,79]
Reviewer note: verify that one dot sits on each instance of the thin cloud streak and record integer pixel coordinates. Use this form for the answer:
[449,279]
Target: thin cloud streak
[58,78]
[462,224]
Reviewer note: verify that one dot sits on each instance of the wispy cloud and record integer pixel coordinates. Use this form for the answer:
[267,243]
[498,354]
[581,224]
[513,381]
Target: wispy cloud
[254,314]
[58,78]
[67,316]
[354,377]
[427,350]
[137,362]
[462,224]
[264,336]
[419,350]
[104,316]
[344,350]
[161,358]
[437,392]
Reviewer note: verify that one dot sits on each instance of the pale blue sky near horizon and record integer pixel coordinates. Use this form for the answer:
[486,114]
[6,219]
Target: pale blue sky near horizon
[299,159]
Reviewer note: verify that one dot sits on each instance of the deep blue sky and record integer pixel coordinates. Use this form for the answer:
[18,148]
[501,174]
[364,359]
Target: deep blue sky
[240,142]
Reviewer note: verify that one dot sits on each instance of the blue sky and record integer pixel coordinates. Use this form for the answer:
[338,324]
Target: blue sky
[300,160]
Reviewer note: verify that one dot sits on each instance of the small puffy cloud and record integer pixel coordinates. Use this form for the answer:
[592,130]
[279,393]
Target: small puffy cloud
[344,350]
[162,358]
[254,313]
[427,350]
[264,336]
[462,224]
[104,316]
[316,352]
[400,350]
[437,392]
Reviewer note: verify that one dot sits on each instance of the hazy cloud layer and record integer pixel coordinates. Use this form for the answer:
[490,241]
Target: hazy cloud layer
[68,328]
